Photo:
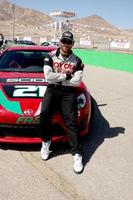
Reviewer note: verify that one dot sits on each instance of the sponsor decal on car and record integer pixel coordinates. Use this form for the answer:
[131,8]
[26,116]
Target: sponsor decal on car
[28,112]
[23,80]
[27,120]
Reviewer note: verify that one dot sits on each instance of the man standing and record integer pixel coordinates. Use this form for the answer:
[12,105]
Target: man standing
[63,71]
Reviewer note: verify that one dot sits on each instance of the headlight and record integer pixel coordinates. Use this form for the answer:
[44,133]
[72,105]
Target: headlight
[81,100]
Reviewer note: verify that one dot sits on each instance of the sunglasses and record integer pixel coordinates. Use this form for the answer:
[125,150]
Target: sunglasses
[65,41]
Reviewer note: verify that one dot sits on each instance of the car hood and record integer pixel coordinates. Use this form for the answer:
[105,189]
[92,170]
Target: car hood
[21,93]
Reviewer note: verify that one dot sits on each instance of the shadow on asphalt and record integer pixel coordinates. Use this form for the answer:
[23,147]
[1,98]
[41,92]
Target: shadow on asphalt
[20,147]
[100,130]
[56,149]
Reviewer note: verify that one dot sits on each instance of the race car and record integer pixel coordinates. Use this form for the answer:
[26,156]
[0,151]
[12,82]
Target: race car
[22,87]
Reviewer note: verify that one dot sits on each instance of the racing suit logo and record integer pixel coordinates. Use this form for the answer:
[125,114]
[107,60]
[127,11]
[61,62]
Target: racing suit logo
[63,67]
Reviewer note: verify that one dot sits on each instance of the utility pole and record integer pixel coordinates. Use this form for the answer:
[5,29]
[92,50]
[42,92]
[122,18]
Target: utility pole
[13,20]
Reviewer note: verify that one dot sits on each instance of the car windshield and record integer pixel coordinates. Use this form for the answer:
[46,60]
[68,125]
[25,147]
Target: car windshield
[22,60]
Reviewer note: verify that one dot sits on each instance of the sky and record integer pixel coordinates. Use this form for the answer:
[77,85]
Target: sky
[118,13]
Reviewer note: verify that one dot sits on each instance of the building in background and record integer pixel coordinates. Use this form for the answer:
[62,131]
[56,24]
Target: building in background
[62,21]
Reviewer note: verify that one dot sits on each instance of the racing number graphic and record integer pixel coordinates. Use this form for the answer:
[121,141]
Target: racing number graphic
[29,91]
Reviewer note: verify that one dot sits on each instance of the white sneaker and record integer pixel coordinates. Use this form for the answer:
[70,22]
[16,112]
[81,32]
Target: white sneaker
[78,165]
[45,150]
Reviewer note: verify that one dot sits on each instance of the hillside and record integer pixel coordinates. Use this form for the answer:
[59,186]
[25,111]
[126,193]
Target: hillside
[35,23]
[23,15]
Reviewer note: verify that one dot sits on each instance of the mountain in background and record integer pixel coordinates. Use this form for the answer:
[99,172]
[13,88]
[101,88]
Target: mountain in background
[23,15]
[94,20]
[35,23]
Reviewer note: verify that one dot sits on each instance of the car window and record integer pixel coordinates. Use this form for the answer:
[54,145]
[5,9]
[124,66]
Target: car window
[22,60]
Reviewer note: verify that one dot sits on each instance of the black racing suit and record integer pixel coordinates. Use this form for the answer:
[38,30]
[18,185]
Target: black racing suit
[62,76]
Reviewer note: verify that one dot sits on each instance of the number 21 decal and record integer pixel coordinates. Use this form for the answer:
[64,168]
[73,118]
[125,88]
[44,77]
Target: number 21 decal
[29,91]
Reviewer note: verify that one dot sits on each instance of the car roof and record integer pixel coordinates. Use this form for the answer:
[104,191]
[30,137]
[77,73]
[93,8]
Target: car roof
[34,47]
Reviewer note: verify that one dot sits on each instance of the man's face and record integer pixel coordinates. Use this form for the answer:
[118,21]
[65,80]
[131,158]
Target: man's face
[66,45]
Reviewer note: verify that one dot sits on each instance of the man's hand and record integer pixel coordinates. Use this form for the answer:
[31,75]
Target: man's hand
[68,75]
[59,70]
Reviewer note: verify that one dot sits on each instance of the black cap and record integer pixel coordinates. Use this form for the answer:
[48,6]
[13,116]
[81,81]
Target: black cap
[67,35]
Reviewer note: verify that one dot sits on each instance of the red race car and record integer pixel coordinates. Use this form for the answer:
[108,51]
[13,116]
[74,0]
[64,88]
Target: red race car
[22,86]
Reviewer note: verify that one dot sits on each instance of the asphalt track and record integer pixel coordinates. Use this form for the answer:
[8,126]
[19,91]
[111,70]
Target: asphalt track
[108,160]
